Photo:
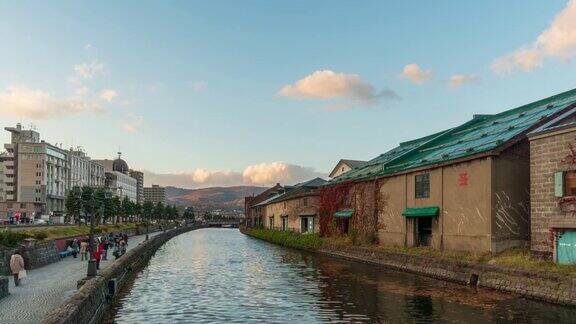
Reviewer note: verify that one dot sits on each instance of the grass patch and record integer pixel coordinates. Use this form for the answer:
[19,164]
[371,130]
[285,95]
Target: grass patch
[516,258]
[289,239]
[522,259]
[66,231]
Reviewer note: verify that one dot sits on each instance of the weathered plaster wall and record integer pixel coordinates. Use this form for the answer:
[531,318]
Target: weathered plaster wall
[511,198]
[466,210]
[462,191]
[391,223]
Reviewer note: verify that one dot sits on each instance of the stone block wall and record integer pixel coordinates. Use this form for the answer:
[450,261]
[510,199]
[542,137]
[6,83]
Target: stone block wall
[3,287]
[548,154]
[555,288]
[5,255]
[40,254]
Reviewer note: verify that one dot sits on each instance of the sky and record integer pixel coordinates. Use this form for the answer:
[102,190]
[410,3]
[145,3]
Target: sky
[210,93]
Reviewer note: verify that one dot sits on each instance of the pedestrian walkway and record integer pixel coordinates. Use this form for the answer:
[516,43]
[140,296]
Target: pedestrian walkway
[48,287]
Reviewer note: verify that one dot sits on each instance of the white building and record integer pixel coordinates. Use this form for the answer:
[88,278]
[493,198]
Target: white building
[84,171]
[118,178]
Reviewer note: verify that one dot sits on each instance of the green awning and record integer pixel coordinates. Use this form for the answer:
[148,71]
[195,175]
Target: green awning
[421,212]
[343,214]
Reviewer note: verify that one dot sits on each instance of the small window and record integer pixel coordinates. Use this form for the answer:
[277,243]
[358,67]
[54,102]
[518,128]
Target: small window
[570,178]
[23,205]
[305,201]
[422,182]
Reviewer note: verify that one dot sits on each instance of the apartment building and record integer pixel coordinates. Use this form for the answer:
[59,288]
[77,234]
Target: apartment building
[139,176]
[34,175]
[155,194]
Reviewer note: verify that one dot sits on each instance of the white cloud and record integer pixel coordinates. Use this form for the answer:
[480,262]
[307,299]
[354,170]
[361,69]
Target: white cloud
[198,86]
[327,84]
[20,101]
[108,94]
[414,73]
[263,174]
[88,47]
[90,70]
[557,41]
[459,80]
[132,123]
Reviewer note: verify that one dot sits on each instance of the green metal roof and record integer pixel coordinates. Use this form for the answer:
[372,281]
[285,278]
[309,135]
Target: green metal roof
[422,212]
[481,134]
[343,214]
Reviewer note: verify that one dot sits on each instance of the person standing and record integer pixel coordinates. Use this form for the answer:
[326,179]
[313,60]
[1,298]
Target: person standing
[75,247]
[84,250]
[105,247]
[16,265]
[98,255]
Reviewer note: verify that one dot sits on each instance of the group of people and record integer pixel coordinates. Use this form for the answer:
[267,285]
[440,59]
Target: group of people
[115,242]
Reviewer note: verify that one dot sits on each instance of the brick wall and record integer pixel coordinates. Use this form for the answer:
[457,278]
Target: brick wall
[548,154]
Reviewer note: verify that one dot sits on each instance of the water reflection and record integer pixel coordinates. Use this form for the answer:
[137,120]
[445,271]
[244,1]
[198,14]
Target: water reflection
[220,275]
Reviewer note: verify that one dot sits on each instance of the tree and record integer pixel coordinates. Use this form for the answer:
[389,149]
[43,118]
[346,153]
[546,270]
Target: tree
[188,213]
[138,211]
[88,202]
[148,210]
[102,202]
[74,204]
[116,206]
[158,211]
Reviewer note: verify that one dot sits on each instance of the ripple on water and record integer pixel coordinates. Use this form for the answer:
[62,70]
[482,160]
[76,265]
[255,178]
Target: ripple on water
[222,276]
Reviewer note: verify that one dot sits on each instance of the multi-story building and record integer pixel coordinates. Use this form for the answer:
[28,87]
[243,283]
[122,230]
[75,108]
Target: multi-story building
[118,178]
[83,170]
[466,188]
[155,194]
[139,176]
[34,174]
[254,216]
[295,209]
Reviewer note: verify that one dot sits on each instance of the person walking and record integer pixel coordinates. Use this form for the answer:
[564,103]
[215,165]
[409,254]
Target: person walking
[84,250]
[16,265]
[75,248]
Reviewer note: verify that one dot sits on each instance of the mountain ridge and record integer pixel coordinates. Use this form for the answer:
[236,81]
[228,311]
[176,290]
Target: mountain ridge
[227,198]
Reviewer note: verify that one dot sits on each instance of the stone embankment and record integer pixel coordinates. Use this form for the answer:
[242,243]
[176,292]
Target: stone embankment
[90,303]
[550,287]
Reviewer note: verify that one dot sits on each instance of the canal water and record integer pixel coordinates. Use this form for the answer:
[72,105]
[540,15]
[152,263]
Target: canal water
[223,276]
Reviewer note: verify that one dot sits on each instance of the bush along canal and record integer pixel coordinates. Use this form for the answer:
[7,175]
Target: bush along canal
[220,275]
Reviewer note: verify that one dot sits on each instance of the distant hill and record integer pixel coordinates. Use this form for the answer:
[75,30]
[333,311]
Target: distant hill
[212,198]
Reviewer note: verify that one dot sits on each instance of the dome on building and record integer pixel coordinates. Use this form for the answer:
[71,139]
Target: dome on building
[120,165]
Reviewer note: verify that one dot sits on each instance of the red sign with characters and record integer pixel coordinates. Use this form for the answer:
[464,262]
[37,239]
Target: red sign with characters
[463,179]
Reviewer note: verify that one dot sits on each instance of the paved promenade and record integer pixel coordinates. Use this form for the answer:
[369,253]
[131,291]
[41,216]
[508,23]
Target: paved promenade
[48,287]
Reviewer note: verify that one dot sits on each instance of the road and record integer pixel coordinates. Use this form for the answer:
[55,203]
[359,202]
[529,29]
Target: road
[48,287]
